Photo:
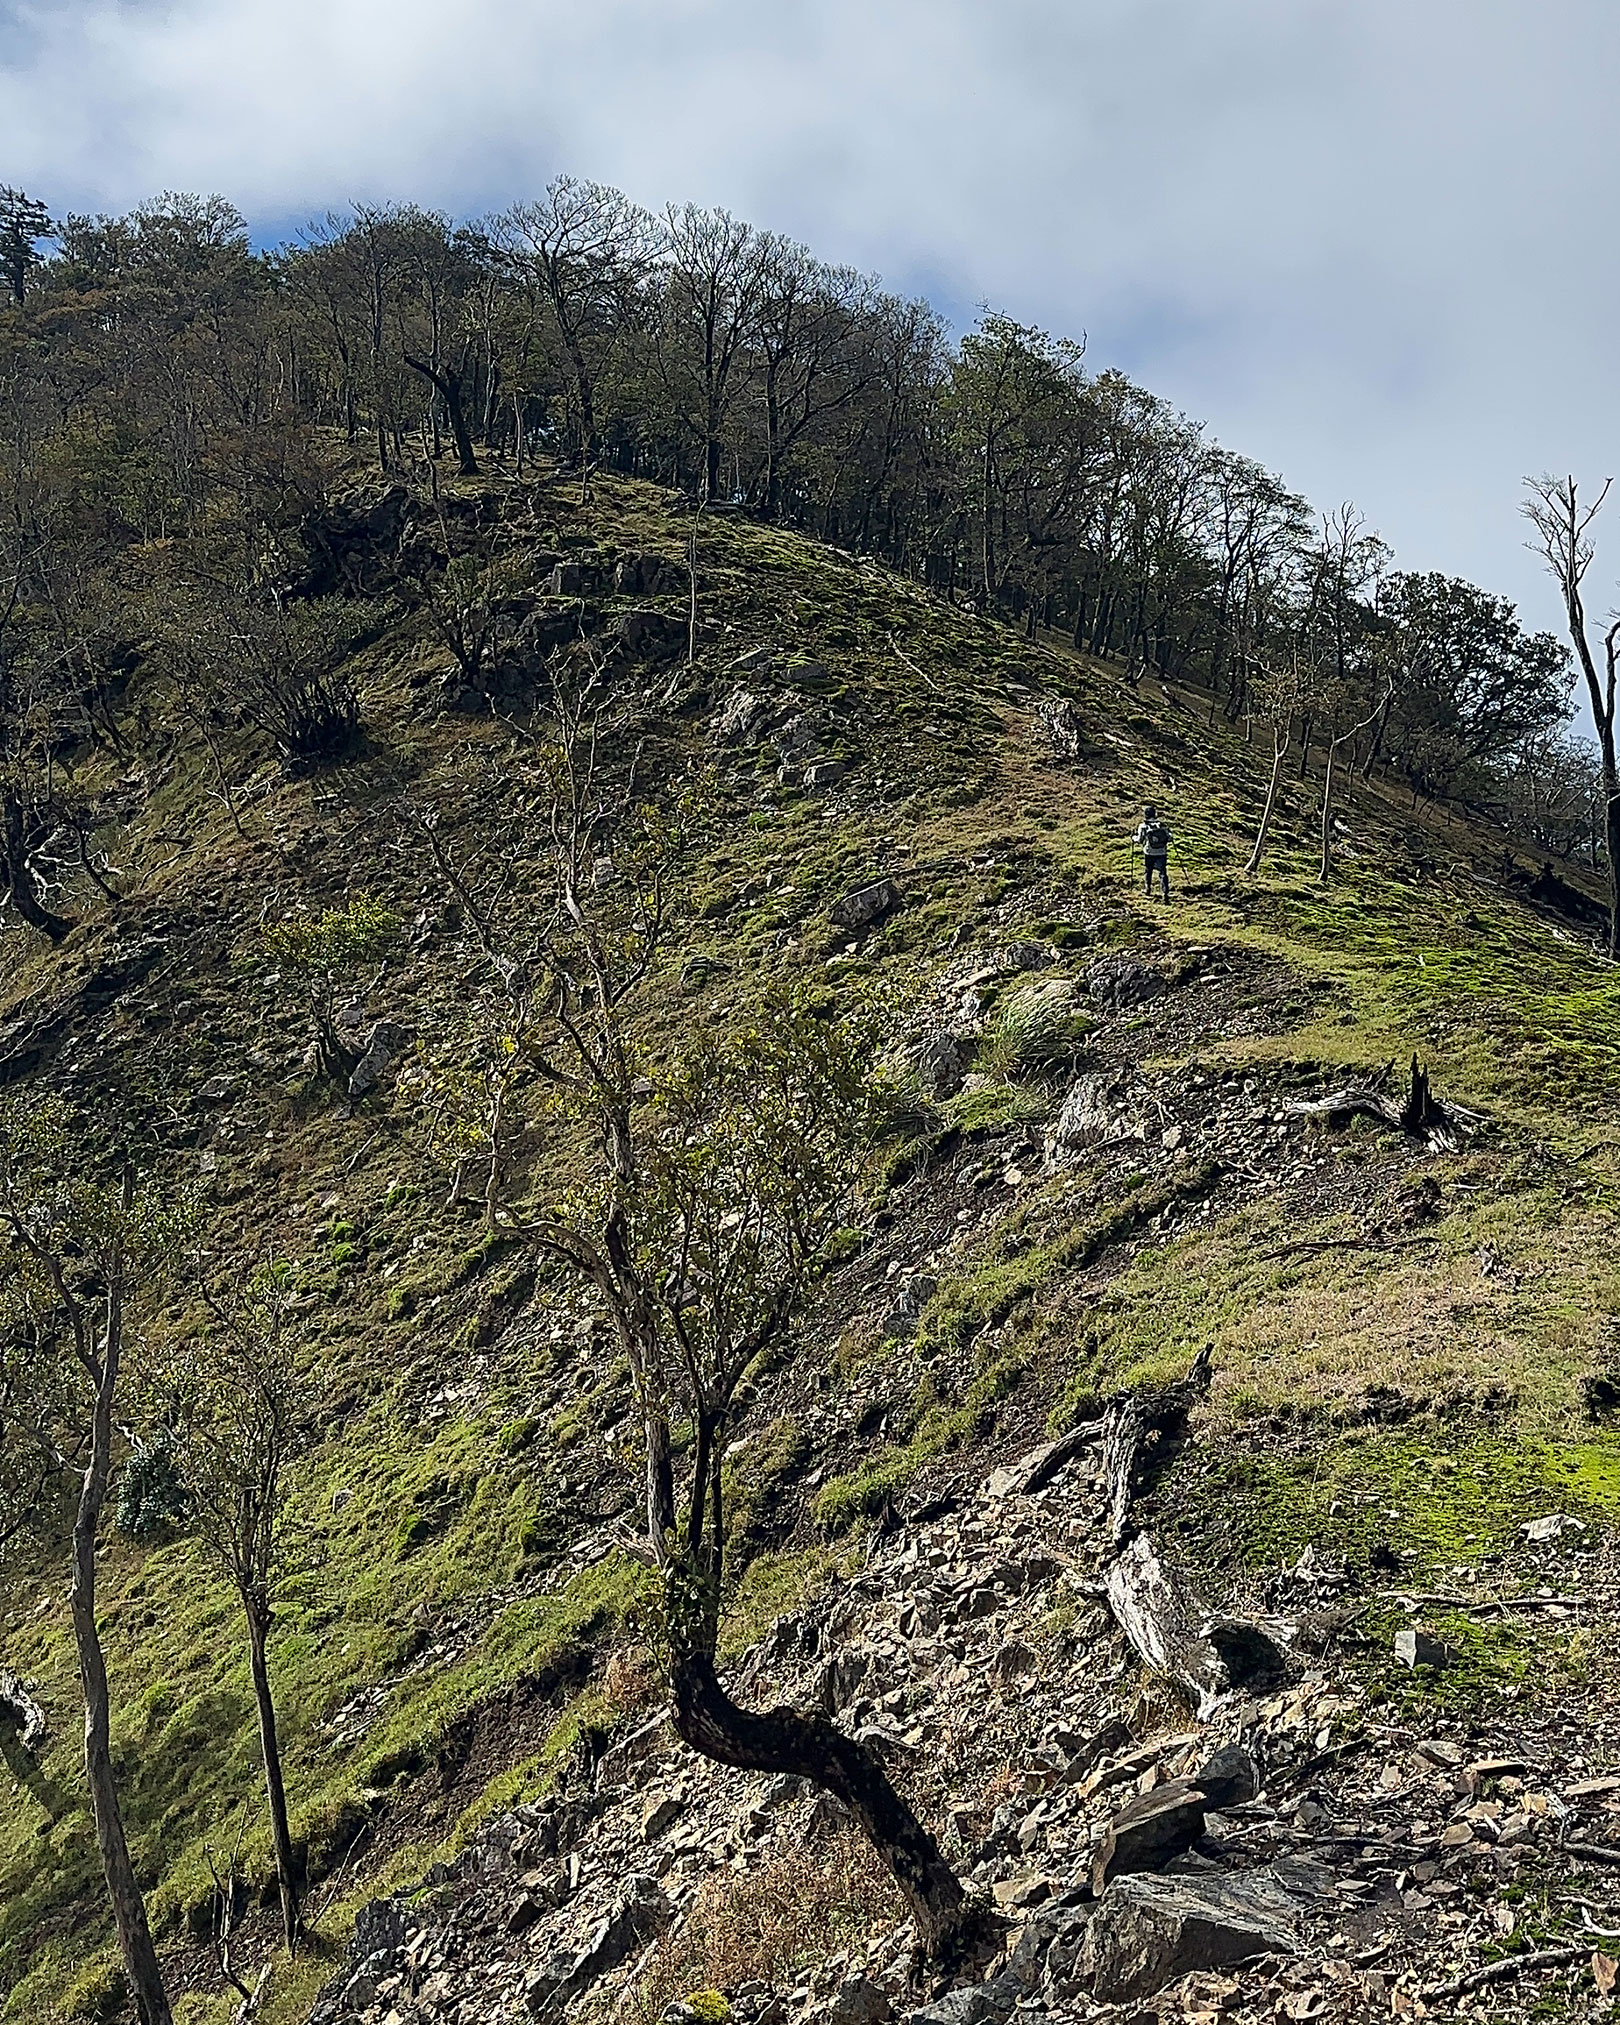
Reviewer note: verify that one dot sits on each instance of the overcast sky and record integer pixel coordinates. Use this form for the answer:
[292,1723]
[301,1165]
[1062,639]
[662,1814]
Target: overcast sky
[1370,242]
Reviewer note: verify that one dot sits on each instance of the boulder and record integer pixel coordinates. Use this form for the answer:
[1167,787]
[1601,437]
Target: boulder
[867,904]
[741,718]
[859,2002]
[1149,1831]
[974,2004]
[823,773]
[1229,1777]
[650,636]
[1149,1931]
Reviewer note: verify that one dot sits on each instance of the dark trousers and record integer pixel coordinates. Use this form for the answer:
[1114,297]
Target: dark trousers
[1160,863]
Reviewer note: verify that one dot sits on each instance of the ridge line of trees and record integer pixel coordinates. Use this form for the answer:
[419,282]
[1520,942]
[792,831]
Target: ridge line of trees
[153,362]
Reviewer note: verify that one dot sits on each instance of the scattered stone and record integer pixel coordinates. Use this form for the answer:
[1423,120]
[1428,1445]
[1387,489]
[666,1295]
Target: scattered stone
[866,904]
[1149,1931]
[1149,1832]
[824,773]
[1541,1532]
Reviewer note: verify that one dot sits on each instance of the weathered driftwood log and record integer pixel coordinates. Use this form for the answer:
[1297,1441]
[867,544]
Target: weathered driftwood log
[1129,1427]
[1421,1115]
[19,1711]
[1173,1633]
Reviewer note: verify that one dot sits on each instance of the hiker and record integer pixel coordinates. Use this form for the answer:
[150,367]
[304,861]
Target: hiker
[1154,838]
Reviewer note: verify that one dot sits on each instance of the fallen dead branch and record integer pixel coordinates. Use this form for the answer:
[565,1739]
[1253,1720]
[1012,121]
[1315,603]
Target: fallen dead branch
[1420,1116]
[1504,1971]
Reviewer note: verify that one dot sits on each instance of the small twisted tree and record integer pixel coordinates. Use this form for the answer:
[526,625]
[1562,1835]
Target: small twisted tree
[322,954]
[703,1193]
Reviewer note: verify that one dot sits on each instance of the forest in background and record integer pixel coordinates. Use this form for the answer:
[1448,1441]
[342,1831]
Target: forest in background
[161,381]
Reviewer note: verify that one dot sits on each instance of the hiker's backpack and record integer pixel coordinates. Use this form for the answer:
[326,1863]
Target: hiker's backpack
[1155,840]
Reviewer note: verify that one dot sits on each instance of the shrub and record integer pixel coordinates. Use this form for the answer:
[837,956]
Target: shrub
[152,1495]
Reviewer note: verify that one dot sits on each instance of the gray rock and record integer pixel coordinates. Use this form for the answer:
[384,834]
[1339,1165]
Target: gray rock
[648,576]
[859,2002]
[1229,1777]
[974,2004]
[387,1042]
[650,635]
[1149,1931]
[741,717]
[1120,981]
[658,1812]
[824,773]
[217,1090]
[1414,1648]
[641,1911]
[1090,1115]
[867,904]
[941,1064]
[1149,1831]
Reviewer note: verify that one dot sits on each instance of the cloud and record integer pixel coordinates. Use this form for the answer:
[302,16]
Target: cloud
[1363,240]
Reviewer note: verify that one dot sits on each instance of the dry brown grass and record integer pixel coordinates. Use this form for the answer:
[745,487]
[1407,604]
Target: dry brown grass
[631,1680]
[768,1925]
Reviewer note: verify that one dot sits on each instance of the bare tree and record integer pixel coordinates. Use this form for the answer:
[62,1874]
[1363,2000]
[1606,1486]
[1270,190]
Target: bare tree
[1564,537]
[583,250]
[711,1186]
[714,276]
[75,1253]
[239,1411]
[1278,692]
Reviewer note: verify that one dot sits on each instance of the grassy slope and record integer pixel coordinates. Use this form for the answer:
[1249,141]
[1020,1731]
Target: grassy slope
[440,1543]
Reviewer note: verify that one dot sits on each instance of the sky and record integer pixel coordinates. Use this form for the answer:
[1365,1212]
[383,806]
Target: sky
[1369,242]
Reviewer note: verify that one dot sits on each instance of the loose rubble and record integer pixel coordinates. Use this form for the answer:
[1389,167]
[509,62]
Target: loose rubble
[1287,1852]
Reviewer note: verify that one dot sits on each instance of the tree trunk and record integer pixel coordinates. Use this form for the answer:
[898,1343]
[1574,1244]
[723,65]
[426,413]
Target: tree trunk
[448,385]
[258,1623]
[128,1908]
[1611,838]
[1279,738]
[20,879]
[783,1740]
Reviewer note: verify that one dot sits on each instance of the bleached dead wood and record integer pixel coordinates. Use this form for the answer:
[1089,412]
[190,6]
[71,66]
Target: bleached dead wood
[1420,1116]
[19,1709]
